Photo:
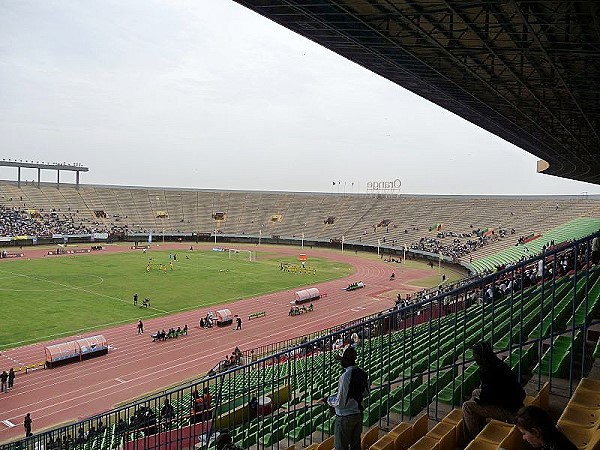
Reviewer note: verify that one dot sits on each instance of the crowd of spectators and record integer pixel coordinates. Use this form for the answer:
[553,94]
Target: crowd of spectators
[30,222]
[16,222]
[559,265]
[462,243]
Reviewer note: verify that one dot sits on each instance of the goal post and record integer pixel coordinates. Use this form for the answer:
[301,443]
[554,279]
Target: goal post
[249,254]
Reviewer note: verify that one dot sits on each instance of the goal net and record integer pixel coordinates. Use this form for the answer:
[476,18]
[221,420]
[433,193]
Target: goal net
[248,255]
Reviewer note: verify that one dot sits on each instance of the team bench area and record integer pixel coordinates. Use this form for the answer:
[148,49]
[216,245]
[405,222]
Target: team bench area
[172,333]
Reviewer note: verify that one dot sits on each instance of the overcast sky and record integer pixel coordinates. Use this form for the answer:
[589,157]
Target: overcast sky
[207,94]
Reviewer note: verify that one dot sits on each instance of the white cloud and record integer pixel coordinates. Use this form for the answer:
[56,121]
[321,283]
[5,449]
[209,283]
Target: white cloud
[209,94]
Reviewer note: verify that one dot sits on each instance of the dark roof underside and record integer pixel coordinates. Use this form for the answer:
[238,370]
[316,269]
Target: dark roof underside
[527,71]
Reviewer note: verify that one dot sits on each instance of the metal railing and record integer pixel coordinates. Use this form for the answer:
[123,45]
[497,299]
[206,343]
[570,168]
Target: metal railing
[535,314]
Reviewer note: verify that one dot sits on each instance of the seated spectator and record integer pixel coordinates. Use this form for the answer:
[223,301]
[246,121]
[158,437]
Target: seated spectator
[185,329]
[80,435]
[499,397]
[66,442]
[121,426]
[197,410]
[224,442]
[539,431]
[167,413]
[91,433]
[206,402]
[253,407]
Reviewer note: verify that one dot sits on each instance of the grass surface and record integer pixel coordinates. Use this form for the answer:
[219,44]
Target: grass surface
[46,298]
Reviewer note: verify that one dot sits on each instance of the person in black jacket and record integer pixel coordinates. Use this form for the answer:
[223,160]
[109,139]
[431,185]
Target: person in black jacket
[3,378]
[27,425]
[539,431]
[499,397]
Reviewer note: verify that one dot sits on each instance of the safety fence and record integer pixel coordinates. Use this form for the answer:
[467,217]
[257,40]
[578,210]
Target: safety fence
[535,314]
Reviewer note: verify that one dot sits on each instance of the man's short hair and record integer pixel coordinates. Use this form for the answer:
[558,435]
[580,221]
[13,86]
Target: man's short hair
[349,355]
[223,441]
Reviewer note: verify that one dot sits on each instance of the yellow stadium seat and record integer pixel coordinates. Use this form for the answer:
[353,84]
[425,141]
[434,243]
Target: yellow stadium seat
[594,443]
[445,433]
[420,427]
[586,398]
[327,444]
[426,443]
[455,418]
[386,442]
[581,416]
[514,440]
[541,398]
[580,436]
[312,446]
[400,428]
[589,384]
[402,435]
[544,396]
[497,432]
[477,444]
[369,437]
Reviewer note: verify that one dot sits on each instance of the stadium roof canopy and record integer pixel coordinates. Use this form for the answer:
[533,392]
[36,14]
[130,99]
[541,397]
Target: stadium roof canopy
[527,71]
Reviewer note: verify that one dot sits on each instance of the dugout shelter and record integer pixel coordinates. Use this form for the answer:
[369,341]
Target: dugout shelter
[78,350]
[306,295]
[224,317]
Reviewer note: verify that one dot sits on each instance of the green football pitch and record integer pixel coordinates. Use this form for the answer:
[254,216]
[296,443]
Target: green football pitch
[42,299]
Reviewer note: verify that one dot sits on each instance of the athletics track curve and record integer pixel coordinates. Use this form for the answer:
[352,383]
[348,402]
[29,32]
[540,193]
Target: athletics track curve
[136,366]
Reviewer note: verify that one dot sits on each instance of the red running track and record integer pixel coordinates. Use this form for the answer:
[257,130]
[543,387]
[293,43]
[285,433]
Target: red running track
[136,366]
